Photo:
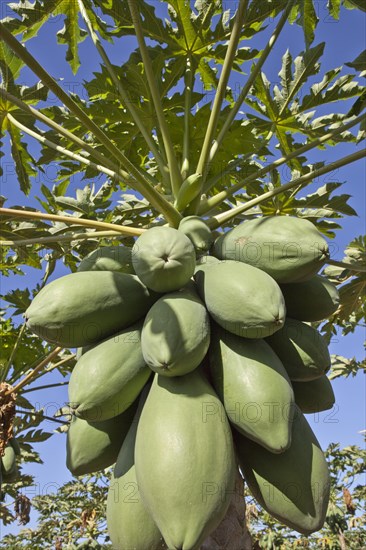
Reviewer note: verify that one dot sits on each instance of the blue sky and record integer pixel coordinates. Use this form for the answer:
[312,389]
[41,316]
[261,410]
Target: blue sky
[344,41]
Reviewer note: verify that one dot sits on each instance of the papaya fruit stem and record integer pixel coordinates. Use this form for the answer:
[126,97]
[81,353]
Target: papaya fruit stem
[63,238]
[202,166]
[31,375]
[46,386]
[131,231]
[222,195]
[351,267]
[124,95]
[34,413]
[221,219]
[175,175]
[254,73]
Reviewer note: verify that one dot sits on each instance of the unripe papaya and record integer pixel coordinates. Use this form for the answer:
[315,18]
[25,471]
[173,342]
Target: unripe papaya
[315,395]
[198,233]
[91,447]
[289,249]
[130,525]
[176,333]
[312,300]
[302,350]
[83,308]
[164,259]
[185,463]
[254,388]
[292,486]
[8,461]
[15,444]
[108,378]
[108,258]
[241,298]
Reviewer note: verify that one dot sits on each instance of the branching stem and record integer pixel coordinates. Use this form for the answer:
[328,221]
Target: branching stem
[63,238]
[351,267]
[35,413]
[175,175]
[189,80]
[26,214]
[45,387]
[33,374]
[220,197]
[253,75]
[221,219]
[202,166]
[141,184]
[124,95]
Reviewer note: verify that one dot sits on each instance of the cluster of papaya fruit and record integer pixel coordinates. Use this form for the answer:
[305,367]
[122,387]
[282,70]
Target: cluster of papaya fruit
[233,375]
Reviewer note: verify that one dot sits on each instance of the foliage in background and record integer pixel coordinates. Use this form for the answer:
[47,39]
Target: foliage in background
[75,515]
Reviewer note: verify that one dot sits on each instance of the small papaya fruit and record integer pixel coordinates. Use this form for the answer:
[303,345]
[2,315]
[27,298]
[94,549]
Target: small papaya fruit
[292,486]
[91,447]
[83,308]
[302,350]
[8,461]
[130,525]
[176,333]
[254,388]
[108,378]
[315,395]
[108,258]
[241,298]
[184,457]
[164,259]
[288,248]
[198,233]
[312,300]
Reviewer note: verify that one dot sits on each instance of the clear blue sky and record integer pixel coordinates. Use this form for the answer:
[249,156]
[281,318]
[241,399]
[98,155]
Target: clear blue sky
[344,41]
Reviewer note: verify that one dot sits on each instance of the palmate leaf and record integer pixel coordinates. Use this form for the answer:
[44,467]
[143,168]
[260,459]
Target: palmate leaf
[34,15]
[352,309]
[24,162]
[359,63]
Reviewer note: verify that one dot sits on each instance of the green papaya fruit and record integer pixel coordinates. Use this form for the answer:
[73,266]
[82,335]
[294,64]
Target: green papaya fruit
[312,300]
[129,523]
[241,298]
[164,259]
[198,233]
[91,447]
[254,388]
[83,308]
[176,333]
[108,258]
[302,350]
[8,461]
[314,396]
[108,378]
[292,486]
[289,249]
[15,444]
[185,463]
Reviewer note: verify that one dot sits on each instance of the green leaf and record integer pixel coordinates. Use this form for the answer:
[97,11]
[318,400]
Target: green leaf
[354,4]
[334,7]
[307,18]
[71,34]
[24,162]
[359,63]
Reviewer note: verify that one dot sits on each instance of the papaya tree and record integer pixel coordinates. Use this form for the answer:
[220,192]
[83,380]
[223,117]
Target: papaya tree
[185,215]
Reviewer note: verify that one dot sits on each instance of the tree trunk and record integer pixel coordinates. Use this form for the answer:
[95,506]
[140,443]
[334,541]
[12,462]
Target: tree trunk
[232,533]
